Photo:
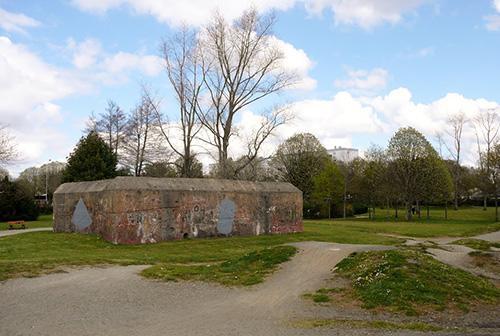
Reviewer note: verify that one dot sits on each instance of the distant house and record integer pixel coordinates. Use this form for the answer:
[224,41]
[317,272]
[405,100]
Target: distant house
[343,154]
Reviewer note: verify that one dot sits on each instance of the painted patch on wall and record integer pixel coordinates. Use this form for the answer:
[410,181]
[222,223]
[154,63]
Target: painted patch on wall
[81,217]
[226,216]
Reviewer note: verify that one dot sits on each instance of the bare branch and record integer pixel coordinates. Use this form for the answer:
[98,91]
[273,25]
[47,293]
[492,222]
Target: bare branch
[8,146]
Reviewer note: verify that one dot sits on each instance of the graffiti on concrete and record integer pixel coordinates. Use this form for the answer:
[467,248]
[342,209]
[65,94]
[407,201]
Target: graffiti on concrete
[129,210]
[81,217]
[136,218]
[226,216]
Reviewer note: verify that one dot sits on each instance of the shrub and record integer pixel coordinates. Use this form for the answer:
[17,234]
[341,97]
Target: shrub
[360,209]
[16,204]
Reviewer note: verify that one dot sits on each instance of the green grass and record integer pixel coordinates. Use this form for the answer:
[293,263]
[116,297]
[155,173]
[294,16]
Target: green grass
[411,282]
[373,324]
[42,221]
[247,270]
[321,294]
[476,244]
[437,214]
[35,253]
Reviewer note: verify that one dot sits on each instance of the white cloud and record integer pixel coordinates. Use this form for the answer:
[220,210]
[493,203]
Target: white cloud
[121,62]
[493,21]
[398,110]
[110,69]
[362,81]
[30,89]
[84,53]
[16,22]
[297,61]
[363,13]
[345,119]
[26,82]
[175,12]
[426,52]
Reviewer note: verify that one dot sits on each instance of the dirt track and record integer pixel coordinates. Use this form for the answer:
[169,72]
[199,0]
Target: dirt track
[116,301]
[4,233]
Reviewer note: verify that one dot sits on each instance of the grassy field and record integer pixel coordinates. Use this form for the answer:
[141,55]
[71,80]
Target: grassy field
[411,282]
[35,253]
[43,221]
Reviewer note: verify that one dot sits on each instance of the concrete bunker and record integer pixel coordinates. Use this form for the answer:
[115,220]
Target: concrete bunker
[131,210]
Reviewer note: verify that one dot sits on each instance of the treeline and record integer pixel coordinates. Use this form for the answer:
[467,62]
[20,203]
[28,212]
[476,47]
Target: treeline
[408,175]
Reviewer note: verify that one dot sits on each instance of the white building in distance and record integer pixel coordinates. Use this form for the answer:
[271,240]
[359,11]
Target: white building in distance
[343,154]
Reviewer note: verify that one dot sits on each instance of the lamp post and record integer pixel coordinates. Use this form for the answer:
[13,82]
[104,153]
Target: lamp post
[329,200]
[47,184]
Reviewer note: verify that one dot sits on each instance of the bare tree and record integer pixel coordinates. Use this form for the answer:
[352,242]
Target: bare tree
[487,128]
[254,140]
[8,150]
[439,138]
[456,122]
[243,64]
[494,173]
[183,65]
[140,144]
[112,124]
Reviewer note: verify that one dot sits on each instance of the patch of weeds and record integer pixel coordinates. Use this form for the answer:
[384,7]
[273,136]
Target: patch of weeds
[480,254]
[373,324]
[476,244]
[322,295]
[330,290]
[411,282]
[247,270]
[486,261]
[321,298]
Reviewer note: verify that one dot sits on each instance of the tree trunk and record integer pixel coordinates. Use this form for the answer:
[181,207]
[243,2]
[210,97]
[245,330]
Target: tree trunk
[388,207]
[446,210]
[396,207]
[418,209]
[428,215]
[496,208]
[373,211]
[455,201]
[345,200]
[329,208]
[407,212]
[485,203]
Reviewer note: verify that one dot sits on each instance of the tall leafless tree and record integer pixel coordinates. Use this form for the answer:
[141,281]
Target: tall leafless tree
[112,125]
[186,75]
[456,124]
[487,127]
[243,64]
[140,144]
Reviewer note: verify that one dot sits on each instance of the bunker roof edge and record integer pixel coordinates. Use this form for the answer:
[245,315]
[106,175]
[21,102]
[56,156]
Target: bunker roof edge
[179,184]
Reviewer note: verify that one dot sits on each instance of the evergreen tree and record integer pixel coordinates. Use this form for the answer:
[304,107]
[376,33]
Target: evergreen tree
[91,160]
[15,203]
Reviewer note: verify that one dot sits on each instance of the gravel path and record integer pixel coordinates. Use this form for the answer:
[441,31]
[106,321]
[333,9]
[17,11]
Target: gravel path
[493,237]
[116,301]
[4,233]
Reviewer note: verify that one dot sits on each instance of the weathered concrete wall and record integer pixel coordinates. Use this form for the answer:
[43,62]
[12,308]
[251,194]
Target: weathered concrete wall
[130,210]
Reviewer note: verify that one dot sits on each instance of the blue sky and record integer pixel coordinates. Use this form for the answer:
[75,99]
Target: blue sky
[368,67]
